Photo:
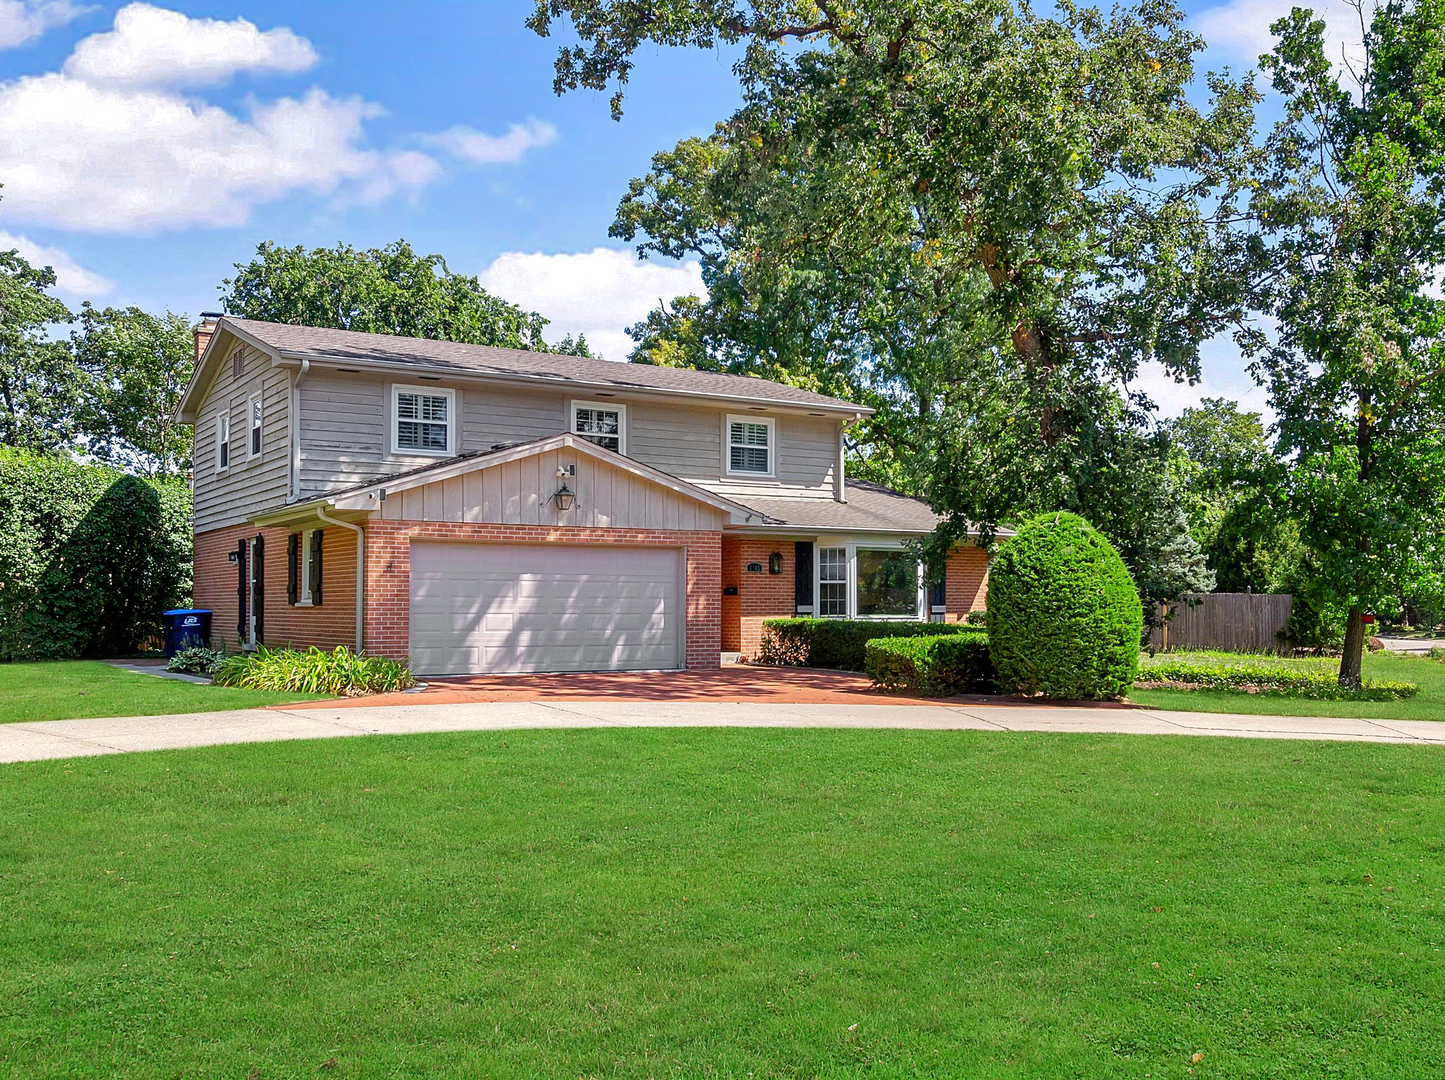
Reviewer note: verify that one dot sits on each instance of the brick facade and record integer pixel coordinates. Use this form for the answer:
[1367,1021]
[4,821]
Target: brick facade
[388,574]
[326,626]
[772,596]
[760,596]
[965,582]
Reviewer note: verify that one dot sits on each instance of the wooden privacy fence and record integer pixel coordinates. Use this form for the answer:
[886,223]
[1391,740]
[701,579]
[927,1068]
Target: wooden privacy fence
[1240,622]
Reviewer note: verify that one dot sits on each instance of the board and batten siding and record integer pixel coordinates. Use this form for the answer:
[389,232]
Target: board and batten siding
[520,493]
[249,485]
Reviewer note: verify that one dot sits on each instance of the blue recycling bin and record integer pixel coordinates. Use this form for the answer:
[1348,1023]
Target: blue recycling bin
[186,628]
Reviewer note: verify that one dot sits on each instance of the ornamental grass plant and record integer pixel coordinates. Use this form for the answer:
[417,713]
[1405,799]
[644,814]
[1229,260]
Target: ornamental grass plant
[340,672]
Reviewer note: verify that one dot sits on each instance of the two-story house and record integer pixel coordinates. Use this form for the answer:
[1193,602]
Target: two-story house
[494,510]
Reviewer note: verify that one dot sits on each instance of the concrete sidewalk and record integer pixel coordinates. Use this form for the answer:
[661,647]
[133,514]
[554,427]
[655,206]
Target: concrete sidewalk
[83,738]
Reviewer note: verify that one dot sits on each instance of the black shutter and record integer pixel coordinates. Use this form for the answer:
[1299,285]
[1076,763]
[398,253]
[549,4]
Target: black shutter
[242,590]
[938,592]
[316,567]
[293,568]
[258,591]
[803,574]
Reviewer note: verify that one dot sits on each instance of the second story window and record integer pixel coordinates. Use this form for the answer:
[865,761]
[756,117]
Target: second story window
[606,425]
[750,446]
[425,420]
[223,440]
[254,446]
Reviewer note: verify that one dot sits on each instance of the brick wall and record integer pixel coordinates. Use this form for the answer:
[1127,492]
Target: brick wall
[326,626]
[966,581]
[760,596]
[388,574]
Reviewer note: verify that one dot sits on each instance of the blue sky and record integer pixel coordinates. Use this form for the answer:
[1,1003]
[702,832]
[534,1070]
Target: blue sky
[144,149]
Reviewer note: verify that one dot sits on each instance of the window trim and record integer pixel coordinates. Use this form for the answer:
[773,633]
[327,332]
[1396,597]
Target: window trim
[303,570]
[610,406]
[223,419]
[771,424]
[394,420]
[851,546]
[255,432]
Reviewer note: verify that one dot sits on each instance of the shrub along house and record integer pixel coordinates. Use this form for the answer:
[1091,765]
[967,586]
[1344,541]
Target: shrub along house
[482,509]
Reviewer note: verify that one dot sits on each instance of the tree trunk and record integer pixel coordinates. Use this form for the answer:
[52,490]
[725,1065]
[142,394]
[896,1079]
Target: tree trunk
[1354,649]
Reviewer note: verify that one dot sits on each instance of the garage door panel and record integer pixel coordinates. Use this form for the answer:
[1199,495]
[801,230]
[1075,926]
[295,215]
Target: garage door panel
[554,607]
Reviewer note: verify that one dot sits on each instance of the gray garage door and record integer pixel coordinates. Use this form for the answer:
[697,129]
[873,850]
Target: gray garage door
[544,607]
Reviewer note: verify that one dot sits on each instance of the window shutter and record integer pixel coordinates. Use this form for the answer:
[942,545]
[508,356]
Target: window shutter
[316,567]
[803,574]
[293,568]
[241,590]
[258,594]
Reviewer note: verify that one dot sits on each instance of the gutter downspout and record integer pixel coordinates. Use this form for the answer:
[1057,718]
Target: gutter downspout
[296,429]
[840,483]
[360,571]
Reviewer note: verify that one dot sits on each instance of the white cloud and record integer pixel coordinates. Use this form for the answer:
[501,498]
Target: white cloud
[109,159]
[70,277]
[111,145]
[26,20]
[1240,28]
[1222,375]
[479,148]
[151,46]
[598,293]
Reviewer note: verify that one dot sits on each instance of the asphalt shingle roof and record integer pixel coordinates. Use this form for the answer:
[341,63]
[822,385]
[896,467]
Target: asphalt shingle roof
[870,507]
[344,345]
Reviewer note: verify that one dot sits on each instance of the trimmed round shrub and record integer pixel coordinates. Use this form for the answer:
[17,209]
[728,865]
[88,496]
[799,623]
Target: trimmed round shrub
[1064,616]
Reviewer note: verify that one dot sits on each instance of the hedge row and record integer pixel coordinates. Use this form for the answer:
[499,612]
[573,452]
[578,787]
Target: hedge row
[838,643]
[89,557]
[1267,679]
[936,665]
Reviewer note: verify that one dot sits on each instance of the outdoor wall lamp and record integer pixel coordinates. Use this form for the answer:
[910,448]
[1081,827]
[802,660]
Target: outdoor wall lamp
[775,563]
[564,498]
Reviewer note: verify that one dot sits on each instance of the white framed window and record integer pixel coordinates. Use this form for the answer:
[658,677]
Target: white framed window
[303,570]
[223,440]
[424,420]
[253,435]
[887,583]
[833,583]
[870,579]
[751,446]
[601,422]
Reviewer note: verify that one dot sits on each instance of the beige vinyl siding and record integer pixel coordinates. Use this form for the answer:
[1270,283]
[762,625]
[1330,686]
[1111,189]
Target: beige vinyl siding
[520,493]
[345,437]
[249,485]
[688,443]
[345,434]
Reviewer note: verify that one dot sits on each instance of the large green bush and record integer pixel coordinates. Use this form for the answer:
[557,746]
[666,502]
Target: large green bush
[937,665]
[89,557]
[1064,616]
[837,643]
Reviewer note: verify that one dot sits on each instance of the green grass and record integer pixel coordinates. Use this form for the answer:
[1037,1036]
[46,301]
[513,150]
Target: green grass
[73,689]
[721,903]
[1428,704]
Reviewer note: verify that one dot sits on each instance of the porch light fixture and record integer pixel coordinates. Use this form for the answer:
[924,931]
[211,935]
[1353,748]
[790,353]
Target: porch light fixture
[775,563]
[564,498]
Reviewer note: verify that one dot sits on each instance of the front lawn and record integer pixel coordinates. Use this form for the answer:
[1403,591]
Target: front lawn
[1428,704]
[691,902]
[73,689]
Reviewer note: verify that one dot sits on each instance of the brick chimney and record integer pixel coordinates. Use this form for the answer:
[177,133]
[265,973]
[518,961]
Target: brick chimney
[204,329]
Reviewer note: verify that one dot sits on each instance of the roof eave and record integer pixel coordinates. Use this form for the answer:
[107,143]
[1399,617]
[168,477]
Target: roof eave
[189,406]
[835,407]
